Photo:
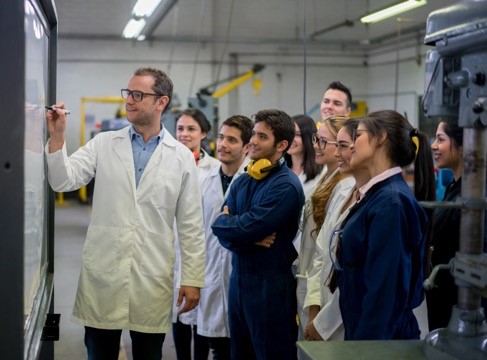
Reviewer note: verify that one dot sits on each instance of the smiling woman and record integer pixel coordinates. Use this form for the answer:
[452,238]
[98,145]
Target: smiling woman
[301,155]
[192,127]
[387,223]
[315,210]
[445,241]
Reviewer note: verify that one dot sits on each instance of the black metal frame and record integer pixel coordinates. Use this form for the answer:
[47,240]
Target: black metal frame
[15,341]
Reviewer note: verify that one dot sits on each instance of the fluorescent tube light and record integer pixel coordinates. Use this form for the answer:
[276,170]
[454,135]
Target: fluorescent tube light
[146,16]
[392,10]
[145,8]
[133,28]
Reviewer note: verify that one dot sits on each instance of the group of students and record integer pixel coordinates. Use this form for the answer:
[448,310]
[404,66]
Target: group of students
[290,219]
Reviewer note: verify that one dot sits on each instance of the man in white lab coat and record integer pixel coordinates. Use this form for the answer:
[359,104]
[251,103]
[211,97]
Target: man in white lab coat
[232,149]
[144,180]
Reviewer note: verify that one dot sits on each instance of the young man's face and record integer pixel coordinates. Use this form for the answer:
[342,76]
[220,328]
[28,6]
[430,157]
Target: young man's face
[262,143]
[229,145]
[334,103]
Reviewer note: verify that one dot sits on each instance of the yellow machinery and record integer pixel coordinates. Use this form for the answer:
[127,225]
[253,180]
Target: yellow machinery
[82,131]
[359,108]
[207,98]
[237,82]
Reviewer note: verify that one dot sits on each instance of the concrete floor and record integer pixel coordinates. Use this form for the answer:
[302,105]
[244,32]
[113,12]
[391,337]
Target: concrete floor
[71,223]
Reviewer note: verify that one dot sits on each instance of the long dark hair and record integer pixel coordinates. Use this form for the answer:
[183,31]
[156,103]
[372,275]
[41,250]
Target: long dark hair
[403,151]
[454,132]
[307,127]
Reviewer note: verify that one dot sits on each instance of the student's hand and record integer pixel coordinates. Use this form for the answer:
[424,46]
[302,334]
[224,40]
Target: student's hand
[225,210]
[312,312]
[191,297]
[268,241]
[310,333]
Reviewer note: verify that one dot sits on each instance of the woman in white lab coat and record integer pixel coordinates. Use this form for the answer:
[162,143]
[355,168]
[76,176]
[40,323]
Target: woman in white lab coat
[325,321]
[316,207]
[192,127]
[301,154]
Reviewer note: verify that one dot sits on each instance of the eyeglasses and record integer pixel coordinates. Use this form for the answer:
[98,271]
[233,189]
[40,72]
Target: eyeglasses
[322,142]
[136,95]
[335,239]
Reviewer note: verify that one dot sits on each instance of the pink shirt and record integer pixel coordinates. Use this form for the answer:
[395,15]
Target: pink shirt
[376,179]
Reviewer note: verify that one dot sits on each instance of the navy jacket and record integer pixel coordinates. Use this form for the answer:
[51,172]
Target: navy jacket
[445,242]
[382,256]
[257,209]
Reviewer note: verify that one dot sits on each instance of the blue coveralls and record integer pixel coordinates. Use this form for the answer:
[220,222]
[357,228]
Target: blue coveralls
[382,256]
[262,292]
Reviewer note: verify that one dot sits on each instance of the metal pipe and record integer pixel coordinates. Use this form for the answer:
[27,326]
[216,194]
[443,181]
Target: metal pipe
[473,194]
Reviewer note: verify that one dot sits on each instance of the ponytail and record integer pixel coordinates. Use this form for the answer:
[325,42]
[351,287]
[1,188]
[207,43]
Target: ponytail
[424,175]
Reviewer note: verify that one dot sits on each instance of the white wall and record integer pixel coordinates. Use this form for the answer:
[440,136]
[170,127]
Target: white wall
[382,91]
[101,68]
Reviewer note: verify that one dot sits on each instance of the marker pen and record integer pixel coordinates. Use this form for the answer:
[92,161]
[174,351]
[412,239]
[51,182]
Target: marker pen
[53,108]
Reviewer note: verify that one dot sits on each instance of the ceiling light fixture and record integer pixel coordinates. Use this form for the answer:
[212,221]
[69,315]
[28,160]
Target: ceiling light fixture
[145,8]
[133,28]
[146,16]
[392,10]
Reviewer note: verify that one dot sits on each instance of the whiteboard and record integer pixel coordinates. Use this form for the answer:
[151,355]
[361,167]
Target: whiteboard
[36,80]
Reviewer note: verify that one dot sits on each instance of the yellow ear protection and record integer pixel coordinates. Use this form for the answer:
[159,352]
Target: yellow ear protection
[261,168]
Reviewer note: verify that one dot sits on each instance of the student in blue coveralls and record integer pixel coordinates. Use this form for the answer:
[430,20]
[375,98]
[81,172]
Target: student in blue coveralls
[381,254]
[264,204]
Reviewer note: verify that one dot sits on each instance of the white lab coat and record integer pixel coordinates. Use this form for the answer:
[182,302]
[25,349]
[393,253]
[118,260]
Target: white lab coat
[213,306]
[126,280]
[205,166]
[328,322]
[308,250]
[308,189]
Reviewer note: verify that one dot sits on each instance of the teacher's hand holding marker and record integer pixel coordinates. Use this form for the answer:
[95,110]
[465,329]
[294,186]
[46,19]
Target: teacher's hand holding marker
[56,125]
[54,108]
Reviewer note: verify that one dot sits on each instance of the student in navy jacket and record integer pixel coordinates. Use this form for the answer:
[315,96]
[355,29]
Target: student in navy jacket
[445,240]
[262,291]
[381,251]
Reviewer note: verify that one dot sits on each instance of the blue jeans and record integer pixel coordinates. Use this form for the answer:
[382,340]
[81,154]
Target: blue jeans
[103,344]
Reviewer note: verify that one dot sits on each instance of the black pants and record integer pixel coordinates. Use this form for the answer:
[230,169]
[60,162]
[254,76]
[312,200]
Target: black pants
[182,335]
[103,344]
[220,347]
